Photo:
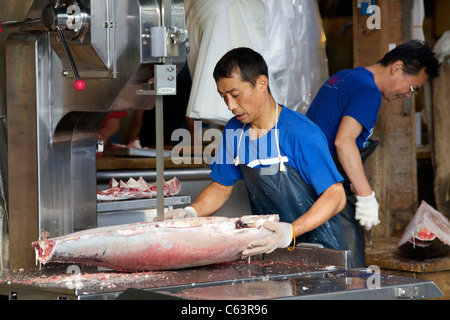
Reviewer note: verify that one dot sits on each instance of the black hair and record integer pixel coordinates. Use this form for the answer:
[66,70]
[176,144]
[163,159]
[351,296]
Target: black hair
[248,63]
[415,55]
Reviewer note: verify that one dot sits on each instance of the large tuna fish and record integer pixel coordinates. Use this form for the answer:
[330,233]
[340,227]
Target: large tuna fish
[164,245]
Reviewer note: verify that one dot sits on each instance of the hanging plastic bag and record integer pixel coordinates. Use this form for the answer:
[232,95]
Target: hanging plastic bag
[288,34]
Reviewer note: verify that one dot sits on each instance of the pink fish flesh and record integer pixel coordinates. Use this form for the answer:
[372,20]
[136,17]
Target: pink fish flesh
[425,235]
[164,245]
[136,189]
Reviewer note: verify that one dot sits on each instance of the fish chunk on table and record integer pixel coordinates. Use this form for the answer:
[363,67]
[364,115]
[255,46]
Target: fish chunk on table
[136,189]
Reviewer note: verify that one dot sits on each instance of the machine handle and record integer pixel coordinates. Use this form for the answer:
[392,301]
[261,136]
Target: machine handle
[14,24]
[51,25]
[79,83]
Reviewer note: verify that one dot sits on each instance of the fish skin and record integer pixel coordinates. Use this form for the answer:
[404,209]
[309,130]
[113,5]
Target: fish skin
[164,245]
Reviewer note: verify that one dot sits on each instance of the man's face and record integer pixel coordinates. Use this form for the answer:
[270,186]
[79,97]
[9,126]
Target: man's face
[403,85]
[242,99]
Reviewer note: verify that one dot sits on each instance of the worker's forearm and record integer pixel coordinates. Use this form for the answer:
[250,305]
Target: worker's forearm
[330,203]
[108,128]
[211,199]
[135,125]
[350,159]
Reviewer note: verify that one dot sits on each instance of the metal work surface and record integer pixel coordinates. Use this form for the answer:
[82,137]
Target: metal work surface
[134,152]
[306,273]
[329,285]
[133,211]
[120,205]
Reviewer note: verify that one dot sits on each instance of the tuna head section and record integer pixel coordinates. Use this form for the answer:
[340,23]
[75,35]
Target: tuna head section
[165,245]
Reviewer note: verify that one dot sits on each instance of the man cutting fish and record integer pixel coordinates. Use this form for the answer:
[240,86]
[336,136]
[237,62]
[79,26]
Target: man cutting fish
[282,156]
[346,109]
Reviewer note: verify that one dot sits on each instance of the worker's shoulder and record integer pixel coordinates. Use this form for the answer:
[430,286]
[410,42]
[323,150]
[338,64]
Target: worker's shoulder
[297,122]
[358,77]
[234,123]
[293,115]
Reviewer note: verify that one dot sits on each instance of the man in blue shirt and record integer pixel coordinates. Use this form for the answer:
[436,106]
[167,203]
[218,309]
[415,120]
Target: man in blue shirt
[346,109]
[282,156]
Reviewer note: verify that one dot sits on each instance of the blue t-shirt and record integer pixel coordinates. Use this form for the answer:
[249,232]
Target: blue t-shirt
[348,93]
[302,144]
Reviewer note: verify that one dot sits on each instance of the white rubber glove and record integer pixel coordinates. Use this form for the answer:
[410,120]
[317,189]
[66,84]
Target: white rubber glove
[187,212]
[366,211]
[280,238]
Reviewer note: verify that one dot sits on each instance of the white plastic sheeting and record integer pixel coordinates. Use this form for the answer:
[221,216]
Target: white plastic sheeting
[442,48]
[288,34]
[418,14]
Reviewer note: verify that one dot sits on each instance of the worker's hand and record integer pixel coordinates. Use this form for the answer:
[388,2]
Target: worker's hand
[366,211]
[187,212]
[280,238]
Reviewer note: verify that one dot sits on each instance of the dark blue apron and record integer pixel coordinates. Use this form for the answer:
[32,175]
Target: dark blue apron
[285,193]
[353,231]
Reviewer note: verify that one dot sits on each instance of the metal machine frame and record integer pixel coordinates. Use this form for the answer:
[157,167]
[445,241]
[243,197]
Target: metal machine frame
[52,126]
